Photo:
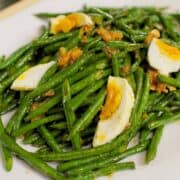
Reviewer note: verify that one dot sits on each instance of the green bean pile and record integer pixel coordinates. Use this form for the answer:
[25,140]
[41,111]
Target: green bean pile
[63,125]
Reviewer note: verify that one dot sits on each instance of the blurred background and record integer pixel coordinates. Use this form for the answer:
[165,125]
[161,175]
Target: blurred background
[5,3]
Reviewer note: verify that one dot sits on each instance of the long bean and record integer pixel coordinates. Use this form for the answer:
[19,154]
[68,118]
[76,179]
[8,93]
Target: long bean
[7,158]
[106,170]
[36,124]
[87,117]
[28,157]
[115,66]
[78,100]
[15,56]
[101,160]
[152,149]
[169,80]
[50,40]
[163,120]
[4,84]
[70,115]
[49,139]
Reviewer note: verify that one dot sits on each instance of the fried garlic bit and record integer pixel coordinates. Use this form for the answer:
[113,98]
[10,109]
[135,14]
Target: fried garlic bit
[110,51]
[68,57]
[125,70]
[34,106]
[85,31]
[151,35]
[49,93]
[155,85]
[107,35]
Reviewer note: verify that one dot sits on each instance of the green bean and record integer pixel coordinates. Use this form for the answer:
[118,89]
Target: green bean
[46,15]
[152,149]
[9,108]
[54,110]
[28,157]
[78,99]
[175,103]
[14,57]
[101,12]
[7,158]
[90,100]
[87,117]
[106,170]
[70,115]
[170,27]
[44,149]
[176,15]
[45,106]
[26,58]
[31,138]
[139,80]
[164,102]
[59,126]
[54,47]
[44,33]
[35,137]
[49,73]
[3,75]
[51,39]
[102,159]
[140,104]
[99,65]
[163,120]
[36,124]
[154,99]
[93,43]
[131,80]
[145,135]
[91,78]
[115,66]
[125,45]
[4,84]
[16,119]
[169,80]
[49,139]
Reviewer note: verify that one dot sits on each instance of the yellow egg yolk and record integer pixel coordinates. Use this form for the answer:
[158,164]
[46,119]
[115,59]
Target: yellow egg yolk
[76,18]
[101,137]
[170,51]
[65,25]
[22,77]
[113,99]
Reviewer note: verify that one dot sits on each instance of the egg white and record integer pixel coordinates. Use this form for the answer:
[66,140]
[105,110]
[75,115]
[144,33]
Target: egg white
[86,19]
[29,79]
[164,64]
[110,128]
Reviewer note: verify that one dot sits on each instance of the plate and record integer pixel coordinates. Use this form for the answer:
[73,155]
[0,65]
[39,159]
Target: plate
[22,27]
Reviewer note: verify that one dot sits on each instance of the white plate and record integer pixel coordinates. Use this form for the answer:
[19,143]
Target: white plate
[23,27]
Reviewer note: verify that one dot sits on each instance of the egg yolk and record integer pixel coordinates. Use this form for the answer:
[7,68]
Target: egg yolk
[76,18]
[21,77]
[113,99]
[101,137]
[65,25]
[170,51]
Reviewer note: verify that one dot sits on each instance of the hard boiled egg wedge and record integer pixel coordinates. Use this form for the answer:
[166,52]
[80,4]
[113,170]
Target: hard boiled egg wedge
[29,79]
[115,113]
[65,23]
[163,57]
